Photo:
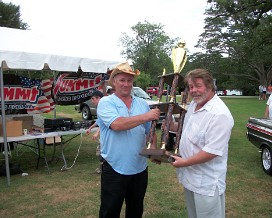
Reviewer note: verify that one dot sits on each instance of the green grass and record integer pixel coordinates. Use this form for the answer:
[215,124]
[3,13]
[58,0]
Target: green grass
[75,193]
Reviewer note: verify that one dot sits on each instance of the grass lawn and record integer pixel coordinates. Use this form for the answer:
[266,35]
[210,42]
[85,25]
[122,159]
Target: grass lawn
[76,192]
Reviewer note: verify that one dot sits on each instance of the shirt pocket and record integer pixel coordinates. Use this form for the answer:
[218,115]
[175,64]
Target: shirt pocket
[196,135]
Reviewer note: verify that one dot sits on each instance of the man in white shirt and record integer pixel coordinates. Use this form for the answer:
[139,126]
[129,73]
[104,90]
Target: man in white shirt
[268,109]
[202,167]
[260,92]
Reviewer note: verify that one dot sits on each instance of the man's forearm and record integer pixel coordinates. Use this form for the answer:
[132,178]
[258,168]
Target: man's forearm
[125,123]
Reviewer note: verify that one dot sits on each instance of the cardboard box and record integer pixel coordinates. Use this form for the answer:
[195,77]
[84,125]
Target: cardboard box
[13,128]
[27,122]
[53,140]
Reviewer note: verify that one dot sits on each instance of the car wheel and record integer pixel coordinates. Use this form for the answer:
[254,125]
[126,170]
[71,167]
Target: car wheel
[266,159]
[86,113]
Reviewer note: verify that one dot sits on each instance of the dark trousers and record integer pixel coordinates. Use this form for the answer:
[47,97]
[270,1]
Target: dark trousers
[115,188]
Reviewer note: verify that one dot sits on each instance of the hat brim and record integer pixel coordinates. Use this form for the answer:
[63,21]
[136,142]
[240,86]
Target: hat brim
[118,71]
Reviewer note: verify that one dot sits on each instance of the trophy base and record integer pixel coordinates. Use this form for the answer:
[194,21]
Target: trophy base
[158,154]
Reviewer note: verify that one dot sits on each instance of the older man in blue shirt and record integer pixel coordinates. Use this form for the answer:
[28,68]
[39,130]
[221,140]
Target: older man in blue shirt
[125,123]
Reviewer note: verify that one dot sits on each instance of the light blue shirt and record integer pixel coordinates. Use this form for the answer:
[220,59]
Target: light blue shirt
[207,129]
[98,121]
[122,149]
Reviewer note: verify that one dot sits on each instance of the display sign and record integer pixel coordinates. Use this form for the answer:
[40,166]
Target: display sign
[24,95]
[74,88]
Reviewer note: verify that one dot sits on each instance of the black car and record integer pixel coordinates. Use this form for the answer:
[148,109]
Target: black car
[259,133]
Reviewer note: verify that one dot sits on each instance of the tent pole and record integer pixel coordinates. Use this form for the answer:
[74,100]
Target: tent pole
[4,124]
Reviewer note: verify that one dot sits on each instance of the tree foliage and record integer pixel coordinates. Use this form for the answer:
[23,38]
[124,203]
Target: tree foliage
[143,81]
[149,49]
[240,30]
[10,16]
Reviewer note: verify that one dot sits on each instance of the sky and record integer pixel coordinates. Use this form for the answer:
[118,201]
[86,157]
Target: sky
[92,29]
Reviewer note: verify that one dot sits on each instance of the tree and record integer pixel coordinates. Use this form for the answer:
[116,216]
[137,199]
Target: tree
[10,16]
[143,80]
[149,49]
[241,31]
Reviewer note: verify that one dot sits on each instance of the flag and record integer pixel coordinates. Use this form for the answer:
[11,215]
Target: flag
[44,102]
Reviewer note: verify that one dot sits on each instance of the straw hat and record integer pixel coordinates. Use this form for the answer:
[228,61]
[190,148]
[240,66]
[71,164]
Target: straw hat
[122,68]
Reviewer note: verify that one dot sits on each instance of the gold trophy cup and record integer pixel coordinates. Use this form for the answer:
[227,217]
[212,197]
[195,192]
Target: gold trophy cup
[171,107]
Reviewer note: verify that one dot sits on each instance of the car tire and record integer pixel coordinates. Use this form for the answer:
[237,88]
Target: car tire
[86,113]
[266,159]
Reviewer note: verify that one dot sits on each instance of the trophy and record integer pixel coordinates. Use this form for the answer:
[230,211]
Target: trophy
[171,107]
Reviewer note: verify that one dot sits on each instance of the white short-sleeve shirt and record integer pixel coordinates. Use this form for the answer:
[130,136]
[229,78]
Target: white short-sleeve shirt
[207,129]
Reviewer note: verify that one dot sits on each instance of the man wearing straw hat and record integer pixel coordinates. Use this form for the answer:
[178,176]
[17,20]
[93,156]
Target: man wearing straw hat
[125,123]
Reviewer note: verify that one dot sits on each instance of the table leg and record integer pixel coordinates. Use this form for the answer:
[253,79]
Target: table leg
[63,157]
[39,154]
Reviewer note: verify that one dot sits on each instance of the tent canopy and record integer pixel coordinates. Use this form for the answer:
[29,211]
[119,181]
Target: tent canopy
[21,49]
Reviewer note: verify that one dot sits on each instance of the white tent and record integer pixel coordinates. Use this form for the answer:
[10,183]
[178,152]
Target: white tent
[22,50]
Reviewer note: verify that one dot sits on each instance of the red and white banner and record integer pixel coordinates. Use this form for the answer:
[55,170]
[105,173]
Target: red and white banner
[74,88]
[24,95]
